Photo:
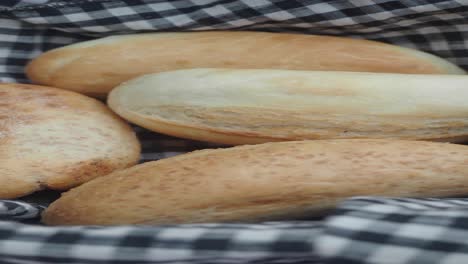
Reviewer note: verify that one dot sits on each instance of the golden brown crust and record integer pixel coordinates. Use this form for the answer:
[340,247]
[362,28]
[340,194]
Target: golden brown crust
[57,139]
[279,180]
[95,67]
[256,106]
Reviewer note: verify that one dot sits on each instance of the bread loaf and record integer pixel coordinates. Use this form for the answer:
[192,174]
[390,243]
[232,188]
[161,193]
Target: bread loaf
[253,106]
[95,67]
[272,181]
[57,139]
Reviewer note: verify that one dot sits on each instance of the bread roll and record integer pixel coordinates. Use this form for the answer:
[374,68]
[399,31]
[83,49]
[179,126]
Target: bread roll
[95,67]
[254,106]
[272,181]
[56,139]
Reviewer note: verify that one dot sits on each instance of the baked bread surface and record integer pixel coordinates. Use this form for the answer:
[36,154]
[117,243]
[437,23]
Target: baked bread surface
[57,139]
[272,181]
[245,106]
[95,67]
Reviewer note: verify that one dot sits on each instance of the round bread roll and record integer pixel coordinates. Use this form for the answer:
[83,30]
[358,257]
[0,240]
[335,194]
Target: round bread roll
[57,139]
[232,106]
[95,67]
[272,181]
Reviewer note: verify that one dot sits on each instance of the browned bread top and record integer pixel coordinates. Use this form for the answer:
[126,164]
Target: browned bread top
[52,138]
[95,67]
[281,180]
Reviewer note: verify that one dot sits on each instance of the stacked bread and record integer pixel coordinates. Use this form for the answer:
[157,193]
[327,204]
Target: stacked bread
[318,119]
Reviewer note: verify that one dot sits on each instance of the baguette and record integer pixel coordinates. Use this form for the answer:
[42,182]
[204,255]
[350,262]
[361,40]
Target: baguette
[56,139]
[95,67]
[272,181]
[254,106]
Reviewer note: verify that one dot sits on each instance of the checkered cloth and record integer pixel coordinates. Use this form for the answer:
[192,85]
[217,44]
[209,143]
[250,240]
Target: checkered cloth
[378,230]
[361,230]
[289,242]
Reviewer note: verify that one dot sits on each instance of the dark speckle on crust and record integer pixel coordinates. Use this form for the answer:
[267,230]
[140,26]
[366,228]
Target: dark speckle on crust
[50,94]
[53,105]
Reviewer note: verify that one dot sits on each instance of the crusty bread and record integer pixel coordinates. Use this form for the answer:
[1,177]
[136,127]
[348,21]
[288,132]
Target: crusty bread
[57,139]
[253,106]
[271,181]
[95,67]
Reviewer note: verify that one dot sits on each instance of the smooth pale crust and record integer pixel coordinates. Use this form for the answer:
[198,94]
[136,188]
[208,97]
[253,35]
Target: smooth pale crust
[57,139]
[236,107]
[271,181]
[95,67]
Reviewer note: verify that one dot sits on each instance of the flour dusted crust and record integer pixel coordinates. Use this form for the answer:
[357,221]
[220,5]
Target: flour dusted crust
[95,67]
[57,139]
[271,181]
[241,106]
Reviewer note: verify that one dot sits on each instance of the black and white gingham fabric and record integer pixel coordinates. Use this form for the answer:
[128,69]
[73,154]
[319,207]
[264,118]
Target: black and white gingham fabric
[361,230]
[289,242]
[18,210]
[394,231]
